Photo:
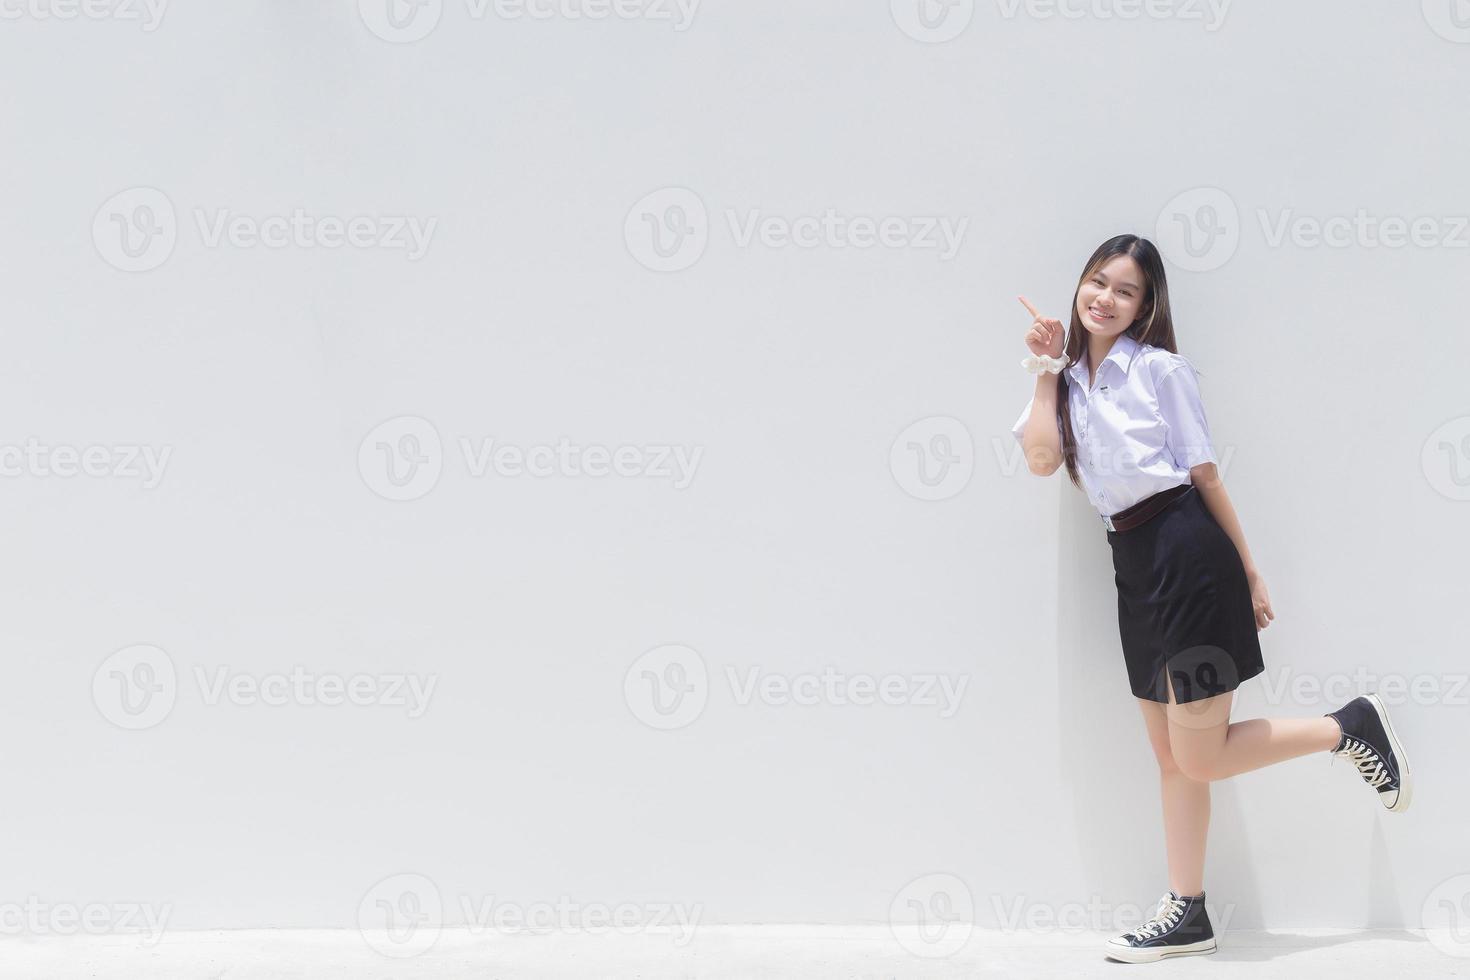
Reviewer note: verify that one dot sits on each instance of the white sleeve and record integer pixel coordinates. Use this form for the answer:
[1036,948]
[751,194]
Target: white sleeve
[1187,433]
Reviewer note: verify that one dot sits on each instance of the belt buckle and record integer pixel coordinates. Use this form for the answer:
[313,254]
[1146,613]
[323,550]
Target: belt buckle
[1107,522]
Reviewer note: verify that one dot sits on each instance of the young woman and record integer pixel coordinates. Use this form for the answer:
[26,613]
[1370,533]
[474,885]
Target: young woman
[1120,408]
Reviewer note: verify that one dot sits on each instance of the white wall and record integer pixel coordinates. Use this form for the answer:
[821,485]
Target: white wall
[797,543]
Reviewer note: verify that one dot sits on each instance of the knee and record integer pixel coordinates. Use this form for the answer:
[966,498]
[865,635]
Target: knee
[1168,765]
[1200,768]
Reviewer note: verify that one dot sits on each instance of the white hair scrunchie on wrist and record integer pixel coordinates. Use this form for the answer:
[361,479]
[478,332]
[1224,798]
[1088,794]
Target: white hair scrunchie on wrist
[1038,363]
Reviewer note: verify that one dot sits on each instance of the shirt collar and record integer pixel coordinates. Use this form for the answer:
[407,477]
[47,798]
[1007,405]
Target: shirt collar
[1121,355]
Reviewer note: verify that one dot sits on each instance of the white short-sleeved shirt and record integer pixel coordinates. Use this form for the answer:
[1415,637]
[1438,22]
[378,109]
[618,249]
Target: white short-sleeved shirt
[1140,428]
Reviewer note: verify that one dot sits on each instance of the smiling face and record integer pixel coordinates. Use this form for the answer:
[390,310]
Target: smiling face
[1109,299]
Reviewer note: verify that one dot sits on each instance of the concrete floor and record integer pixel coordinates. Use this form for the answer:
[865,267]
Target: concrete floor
[734,952]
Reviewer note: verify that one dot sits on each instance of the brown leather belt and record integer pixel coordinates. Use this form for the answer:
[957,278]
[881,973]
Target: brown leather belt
[1140,512]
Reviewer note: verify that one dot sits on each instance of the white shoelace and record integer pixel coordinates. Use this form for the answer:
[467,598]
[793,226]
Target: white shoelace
[1370,767]
[1170,909]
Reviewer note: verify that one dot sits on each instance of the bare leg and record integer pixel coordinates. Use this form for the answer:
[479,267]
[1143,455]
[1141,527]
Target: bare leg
[1186,807]
[1207,747]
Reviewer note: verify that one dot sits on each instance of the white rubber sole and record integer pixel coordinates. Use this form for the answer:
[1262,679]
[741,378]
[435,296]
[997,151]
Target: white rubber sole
[1406,784]
[1152,954]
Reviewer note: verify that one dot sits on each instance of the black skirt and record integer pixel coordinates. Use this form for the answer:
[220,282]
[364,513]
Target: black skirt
[1184,605]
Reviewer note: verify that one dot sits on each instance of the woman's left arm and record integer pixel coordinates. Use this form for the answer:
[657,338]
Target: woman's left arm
[1206,479]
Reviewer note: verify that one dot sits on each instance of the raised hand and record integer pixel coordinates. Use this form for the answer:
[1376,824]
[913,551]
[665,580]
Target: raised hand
[1046,334]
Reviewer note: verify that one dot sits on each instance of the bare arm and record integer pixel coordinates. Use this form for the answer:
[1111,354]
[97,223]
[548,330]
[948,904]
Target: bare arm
[1041,443]
[1206,479]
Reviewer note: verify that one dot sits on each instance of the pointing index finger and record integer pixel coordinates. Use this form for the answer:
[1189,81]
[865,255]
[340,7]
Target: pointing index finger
[1036,314]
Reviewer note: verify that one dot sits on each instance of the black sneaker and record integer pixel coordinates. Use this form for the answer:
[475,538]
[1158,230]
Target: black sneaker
[1179,928]
[1369,742]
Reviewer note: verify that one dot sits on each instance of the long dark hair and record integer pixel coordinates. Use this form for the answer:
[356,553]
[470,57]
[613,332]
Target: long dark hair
[1154,325]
